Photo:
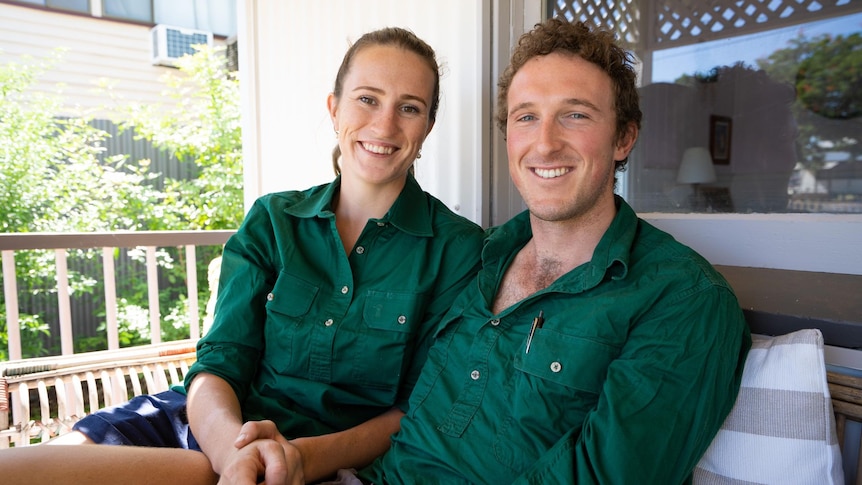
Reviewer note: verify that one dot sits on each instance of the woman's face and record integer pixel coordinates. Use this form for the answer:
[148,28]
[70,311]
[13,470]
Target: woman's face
[382,115]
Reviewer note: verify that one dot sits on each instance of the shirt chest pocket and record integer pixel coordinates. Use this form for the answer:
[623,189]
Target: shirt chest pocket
[287,305]
[552,388]
[566,360]
[384,341]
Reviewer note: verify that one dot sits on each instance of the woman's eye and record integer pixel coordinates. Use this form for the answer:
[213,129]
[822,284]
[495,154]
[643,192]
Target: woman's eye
[410,109]
[366,100]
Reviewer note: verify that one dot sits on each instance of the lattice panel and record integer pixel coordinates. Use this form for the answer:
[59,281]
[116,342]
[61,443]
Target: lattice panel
[620,16]
[686,21]
[680,22]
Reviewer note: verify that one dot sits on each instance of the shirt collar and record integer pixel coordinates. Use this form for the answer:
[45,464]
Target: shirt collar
[610,258]
[410,212]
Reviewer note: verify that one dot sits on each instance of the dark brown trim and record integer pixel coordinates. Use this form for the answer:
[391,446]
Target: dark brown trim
[781,301]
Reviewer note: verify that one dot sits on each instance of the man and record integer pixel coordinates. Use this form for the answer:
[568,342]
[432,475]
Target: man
[593,347]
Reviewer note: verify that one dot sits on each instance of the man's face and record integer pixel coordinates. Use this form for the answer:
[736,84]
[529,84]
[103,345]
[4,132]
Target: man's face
[562,143]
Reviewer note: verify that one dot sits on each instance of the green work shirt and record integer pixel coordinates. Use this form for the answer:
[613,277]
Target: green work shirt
[318,340]
[629,379]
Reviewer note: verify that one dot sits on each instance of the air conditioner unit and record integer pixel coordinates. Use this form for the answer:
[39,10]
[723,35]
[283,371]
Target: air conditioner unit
[170,43]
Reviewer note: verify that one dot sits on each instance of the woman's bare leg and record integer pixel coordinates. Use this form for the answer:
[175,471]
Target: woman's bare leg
[104,464]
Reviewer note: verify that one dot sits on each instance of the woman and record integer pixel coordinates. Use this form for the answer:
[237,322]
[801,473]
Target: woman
[327,301]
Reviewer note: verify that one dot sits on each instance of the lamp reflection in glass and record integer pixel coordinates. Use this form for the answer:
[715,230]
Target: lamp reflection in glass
[696,168]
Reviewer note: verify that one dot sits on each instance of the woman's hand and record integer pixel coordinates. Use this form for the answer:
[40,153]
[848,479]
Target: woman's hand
[262,453]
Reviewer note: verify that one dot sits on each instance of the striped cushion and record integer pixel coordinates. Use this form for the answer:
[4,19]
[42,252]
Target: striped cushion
[781,429]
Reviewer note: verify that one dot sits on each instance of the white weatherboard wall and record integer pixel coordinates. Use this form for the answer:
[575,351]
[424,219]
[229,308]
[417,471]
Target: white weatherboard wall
[290,52]
[95,51]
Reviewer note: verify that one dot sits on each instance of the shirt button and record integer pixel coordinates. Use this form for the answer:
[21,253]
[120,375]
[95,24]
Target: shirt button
[328,322]
[402,319]
[344,290]
[495,322]
[270,297]
[474,375]
[556,367]
[360,249]
[381,224]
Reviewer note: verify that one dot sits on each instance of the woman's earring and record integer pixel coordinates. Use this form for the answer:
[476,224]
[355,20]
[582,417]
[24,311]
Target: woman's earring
[336,133]
[419,155]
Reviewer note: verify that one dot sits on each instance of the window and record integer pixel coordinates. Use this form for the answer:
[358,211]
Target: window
[216,16]
[772,91]
[71,5]
[138,10]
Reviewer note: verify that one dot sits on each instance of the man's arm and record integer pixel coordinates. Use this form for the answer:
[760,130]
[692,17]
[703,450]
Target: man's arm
[322,456]
[356,447]
[663,401]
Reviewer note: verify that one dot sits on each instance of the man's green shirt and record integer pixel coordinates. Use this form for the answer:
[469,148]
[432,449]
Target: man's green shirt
[631,375]
[318,340]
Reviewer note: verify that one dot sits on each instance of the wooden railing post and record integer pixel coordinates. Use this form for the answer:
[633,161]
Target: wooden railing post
[10,292]
[64,305]
[192,284]
[153,294]
[110,298]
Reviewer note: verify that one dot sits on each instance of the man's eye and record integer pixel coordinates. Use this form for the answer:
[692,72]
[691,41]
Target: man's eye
[526,118]
[577,116]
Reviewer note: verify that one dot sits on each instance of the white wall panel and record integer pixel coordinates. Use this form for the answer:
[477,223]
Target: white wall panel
[825,243]
[292,51]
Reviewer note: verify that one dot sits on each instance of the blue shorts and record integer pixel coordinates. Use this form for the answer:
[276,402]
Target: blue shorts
[157,420]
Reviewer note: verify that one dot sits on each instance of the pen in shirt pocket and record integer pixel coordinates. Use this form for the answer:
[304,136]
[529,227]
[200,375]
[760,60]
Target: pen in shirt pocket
[537,323]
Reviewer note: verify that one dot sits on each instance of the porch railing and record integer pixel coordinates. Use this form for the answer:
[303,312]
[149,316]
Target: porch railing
[60,243]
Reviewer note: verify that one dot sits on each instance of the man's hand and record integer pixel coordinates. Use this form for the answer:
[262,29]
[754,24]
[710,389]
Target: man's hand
[263,454]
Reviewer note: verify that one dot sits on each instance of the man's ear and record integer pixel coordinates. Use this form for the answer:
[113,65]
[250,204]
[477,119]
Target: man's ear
[626,142]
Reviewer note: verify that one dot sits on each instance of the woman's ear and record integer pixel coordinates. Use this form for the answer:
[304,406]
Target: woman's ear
[332,107]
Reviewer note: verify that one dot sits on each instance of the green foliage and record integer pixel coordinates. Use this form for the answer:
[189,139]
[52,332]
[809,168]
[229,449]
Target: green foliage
[31,331]
[829,81]
[826,72]
[201,126]
[51,180]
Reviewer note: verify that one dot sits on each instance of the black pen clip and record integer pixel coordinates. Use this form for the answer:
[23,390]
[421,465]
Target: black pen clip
[537,323]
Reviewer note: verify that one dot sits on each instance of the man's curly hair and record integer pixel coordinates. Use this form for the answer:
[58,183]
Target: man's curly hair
[593,45]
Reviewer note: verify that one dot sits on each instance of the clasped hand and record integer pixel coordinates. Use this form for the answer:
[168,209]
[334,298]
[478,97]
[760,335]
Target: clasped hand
[262,455]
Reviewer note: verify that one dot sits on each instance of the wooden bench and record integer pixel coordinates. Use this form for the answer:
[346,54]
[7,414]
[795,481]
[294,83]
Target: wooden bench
[846,394]
[42,398]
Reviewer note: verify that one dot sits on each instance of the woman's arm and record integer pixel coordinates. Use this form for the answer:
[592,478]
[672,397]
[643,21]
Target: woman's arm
[216,421]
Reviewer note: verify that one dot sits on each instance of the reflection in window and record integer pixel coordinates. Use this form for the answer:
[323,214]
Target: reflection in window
[779,109]
[139,10]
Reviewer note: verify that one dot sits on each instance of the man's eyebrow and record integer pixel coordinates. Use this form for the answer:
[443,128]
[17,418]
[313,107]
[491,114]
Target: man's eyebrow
[582,102]
[570,102]
[373,89]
